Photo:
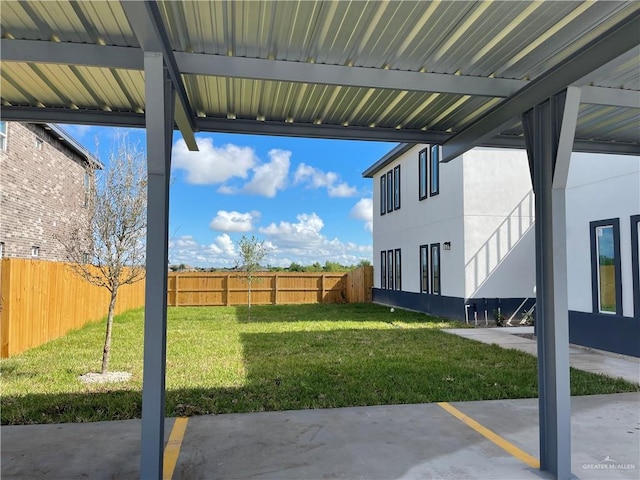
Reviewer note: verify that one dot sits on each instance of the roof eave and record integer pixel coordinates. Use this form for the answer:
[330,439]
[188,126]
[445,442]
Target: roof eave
[73,144]
[389,157]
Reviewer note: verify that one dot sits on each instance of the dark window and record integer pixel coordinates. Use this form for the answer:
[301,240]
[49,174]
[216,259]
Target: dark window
[635,263]
[383,194]
[390,269]
[434,170]
[424,268]
[389,191]
[435,268]
[606,282]
[422,173]
[383,269]
[397,267]
[396,188]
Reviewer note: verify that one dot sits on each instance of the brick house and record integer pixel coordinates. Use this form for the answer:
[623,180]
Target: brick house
[44,180]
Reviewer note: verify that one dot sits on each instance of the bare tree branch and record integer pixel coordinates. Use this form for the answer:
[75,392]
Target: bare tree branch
[106,245]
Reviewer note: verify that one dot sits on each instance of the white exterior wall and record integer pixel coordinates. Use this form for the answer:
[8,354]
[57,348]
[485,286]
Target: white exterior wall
[499,215]
[486,210]
[435,219]
[599,187]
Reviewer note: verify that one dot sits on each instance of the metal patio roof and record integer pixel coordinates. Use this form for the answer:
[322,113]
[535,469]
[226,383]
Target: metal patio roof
[456,73]
[406,71]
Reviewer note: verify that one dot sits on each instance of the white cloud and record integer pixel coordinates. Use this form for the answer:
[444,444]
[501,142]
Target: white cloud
[301,241]
[270,177]
[304,243]
[213,164]
[315,178]
[305,232]
[233,221]
[222,245]
[363,210]
[341,190]
[221,252]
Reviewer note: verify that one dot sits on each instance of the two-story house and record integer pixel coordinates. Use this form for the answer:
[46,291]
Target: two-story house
[45,178]
[457,239]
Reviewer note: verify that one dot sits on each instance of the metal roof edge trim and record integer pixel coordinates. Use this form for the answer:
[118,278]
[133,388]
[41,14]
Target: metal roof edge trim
[513,142]
[75,146]
[389,157]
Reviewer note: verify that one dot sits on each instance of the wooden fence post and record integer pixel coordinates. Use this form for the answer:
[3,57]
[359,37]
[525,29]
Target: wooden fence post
[176,290]
[5,312]
[275,290]
[225,293]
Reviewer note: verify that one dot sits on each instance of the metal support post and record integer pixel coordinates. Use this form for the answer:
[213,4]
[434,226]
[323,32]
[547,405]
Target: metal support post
[159,103]
[549,132]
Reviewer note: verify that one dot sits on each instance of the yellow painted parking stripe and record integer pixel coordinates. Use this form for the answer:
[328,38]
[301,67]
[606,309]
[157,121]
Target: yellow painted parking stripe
[172,449]
[494,437]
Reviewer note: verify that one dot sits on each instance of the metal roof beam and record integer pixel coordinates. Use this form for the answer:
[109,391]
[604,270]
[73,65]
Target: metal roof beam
[130,58]
[41,51]
[338,75]
[101,118]
[136,120]
[379,134]
[223,125]
[146,22]
[606,47]
[584,146]
[610,97]
[344,76]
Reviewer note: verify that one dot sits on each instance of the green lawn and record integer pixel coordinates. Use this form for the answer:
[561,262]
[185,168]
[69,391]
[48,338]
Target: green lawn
[286,357]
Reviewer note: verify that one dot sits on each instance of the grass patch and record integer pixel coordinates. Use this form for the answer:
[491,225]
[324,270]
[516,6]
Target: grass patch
[286,357]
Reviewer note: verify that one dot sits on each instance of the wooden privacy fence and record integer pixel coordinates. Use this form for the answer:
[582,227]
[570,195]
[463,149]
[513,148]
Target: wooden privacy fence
[215,288]
[44,300]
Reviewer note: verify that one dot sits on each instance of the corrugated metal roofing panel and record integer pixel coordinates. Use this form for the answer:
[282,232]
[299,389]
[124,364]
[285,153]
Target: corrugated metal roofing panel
[608,123]
[599,123]
[100,22]
[72,86]
[295,102]
[471,37]
[506,39]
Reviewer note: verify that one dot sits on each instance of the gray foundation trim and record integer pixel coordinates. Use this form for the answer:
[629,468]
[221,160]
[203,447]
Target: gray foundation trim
[452,307]
[613,333]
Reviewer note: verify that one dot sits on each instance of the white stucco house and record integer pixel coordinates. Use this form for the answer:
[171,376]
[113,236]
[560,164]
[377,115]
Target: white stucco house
[458,238]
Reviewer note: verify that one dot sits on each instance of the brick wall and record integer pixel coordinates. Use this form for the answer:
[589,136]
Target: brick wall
[41,192]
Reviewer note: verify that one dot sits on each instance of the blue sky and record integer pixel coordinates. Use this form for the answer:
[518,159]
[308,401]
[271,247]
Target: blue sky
[305,198]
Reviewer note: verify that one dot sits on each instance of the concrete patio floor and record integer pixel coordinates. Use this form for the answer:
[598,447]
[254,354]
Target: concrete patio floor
[425,441]
[582,358]
[383,442]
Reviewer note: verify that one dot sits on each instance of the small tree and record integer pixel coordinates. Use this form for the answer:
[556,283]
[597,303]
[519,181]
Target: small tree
[252,251]
[106,247]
